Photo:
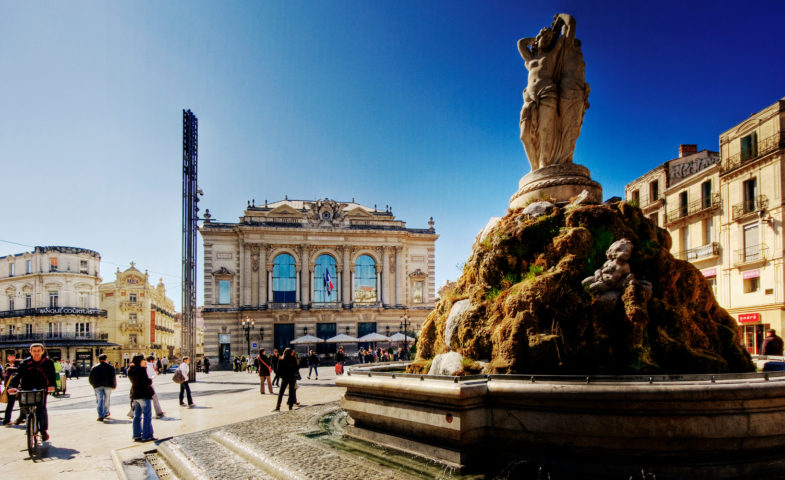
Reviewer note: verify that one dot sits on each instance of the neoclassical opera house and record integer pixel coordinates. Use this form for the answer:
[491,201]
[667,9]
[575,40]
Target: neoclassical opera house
[317,268]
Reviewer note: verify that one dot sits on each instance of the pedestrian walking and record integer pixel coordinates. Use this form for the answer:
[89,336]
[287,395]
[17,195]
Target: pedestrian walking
[772,344]
[141,399]
[313,363]
[185,387]
[340,361]
[103,379]
[289,371]
[74,370]
[274,360]
[151,373]
[262,365]
[9,408]
[206,365]
[164,365]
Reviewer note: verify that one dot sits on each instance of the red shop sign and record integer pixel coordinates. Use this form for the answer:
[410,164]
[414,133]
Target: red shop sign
[749,317]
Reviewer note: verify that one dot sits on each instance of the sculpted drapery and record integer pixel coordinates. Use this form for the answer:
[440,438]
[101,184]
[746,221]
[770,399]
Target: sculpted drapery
[556,95]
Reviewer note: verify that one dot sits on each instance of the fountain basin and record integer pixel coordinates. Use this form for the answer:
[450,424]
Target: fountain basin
[718,426]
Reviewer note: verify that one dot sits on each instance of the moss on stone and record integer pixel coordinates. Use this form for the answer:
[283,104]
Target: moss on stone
[530,314]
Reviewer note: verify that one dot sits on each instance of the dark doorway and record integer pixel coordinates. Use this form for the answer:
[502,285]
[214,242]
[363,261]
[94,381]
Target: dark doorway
[283,334]
[325,331]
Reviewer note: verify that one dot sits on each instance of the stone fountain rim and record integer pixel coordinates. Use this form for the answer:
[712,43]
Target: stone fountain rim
[390,370]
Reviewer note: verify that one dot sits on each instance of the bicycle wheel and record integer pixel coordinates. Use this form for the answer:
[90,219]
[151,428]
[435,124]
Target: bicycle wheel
[33,441]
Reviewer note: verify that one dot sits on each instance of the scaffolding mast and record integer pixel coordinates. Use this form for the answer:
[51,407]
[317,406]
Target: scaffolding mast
[190,218]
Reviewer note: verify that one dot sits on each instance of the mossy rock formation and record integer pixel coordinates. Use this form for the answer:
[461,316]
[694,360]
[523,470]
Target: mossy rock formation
[528,312]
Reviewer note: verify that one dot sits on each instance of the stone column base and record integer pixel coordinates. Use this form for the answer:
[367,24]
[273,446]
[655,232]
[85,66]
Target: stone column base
[556,182]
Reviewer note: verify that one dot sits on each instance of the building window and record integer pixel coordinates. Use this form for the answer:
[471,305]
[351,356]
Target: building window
[84,300]
[417,292]
[365,280]
[708,231]
[53,264]
[752,251]
[55,329]
[683,205]
[655,219]
[706,194]
[224,291]
[28,300]
[749,146]
[11,329]
[636,198]
[10,303]
[284,279]
[82,329]
[132,317]
[750,192]
[53,299]
[132,297]
[10,269]
[83,267]
[751,284]
[713,283]
[684,236]
[654,191]
[132,338]
[325,280]
[28,329]
[29,266]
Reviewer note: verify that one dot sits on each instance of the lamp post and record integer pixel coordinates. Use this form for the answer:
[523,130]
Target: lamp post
[247,324]
[405,326]
[261,337]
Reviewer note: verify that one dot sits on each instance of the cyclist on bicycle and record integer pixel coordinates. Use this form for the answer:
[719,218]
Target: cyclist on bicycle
[36,372]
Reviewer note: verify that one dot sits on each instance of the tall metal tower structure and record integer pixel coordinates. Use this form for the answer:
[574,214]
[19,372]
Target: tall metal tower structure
[191,194]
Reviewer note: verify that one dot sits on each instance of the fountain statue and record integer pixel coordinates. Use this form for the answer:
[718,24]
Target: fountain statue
[554,102]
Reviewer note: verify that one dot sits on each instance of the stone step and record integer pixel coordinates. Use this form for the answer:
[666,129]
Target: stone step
[199,457]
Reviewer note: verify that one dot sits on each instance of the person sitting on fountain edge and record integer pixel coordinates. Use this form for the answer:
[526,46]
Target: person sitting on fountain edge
[772,344]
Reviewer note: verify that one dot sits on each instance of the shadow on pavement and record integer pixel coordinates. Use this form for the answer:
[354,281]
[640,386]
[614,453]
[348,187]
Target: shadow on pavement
[61,453]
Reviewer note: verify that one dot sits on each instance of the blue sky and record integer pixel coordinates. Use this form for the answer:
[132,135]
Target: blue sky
[414,104]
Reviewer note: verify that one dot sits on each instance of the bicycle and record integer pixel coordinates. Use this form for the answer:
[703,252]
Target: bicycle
[30,400]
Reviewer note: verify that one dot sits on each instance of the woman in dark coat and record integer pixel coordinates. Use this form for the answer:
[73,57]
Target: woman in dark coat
[288,370]
[141,399]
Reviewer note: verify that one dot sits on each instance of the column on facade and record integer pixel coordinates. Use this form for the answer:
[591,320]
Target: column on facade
[299,286]
[351,282]
[385,275]
[311,271]
[339,284]
[399,276]
[269,282]
[253,297]
[262,291]
[345,275]
[379,269]
[245,276]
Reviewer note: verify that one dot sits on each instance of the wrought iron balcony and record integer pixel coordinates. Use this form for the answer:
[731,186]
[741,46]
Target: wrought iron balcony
[705,204]
[750,206]
[706,251]
[283,305]
[42,337]
[763,147]
[35,312]
[325,305]
[751,254]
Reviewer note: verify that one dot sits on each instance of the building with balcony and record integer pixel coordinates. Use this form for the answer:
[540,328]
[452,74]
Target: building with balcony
[321,268]
[752,171]
[50,296]
[140,317]
[724,213]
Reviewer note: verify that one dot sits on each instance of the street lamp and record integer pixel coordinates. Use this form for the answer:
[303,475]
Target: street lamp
[247,324]
[261,337]
[405,326]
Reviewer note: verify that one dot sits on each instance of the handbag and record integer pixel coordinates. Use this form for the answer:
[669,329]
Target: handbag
[4,396]
[178,376]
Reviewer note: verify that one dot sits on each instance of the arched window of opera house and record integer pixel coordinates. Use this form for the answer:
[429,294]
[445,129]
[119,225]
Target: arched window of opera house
[284,279]
[365,280]
[325,280]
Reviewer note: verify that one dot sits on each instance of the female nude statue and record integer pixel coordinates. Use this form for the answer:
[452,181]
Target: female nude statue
[555,97]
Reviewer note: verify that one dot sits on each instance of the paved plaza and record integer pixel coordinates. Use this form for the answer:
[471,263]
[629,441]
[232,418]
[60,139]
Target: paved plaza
[81,447]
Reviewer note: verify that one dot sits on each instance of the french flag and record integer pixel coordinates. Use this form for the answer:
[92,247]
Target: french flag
[328,281]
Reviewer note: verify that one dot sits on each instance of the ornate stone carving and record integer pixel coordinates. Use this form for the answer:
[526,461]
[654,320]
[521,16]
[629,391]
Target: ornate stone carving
[223,271]
[554,103]
[254,257]
[556,95]
[418,274]
[327,213]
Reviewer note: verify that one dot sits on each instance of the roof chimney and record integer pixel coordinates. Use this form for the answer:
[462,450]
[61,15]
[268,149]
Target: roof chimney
[687,149]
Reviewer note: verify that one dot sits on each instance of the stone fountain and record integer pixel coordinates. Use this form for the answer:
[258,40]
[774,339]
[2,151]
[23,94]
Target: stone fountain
[573,337]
